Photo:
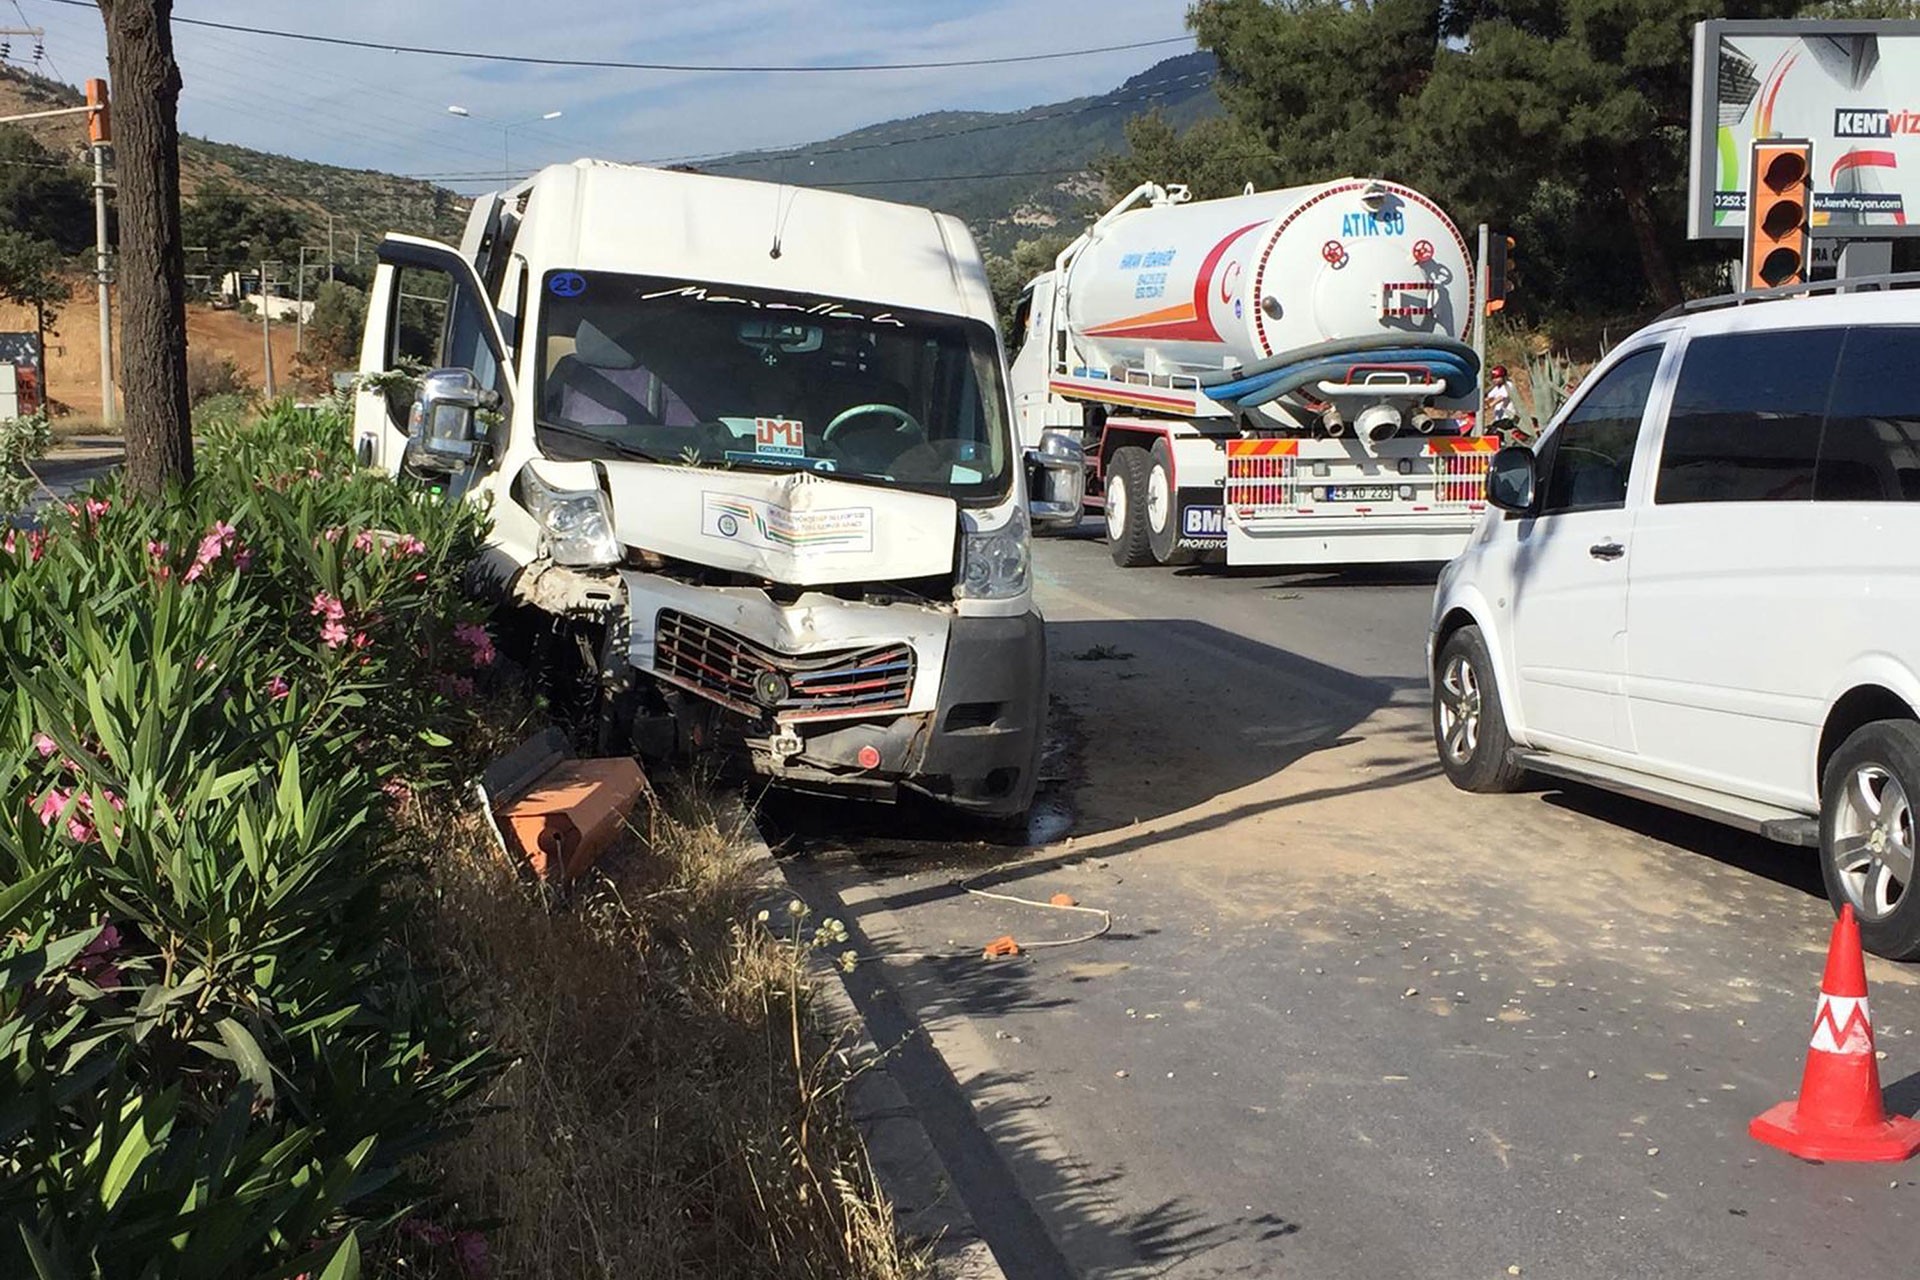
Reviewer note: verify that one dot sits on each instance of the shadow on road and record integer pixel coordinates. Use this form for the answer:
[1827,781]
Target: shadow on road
[1785,865]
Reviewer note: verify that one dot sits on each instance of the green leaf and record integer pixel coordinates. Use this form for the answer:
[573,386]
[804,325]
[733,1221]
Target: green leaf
[17,897]
[147,1127]
[345,1264]
[31,966]
[247,1055]
[44,1265]
[433,739]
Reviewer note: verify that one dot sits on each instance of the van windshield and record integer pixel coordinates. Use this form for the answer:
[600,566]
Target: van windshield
[715,375]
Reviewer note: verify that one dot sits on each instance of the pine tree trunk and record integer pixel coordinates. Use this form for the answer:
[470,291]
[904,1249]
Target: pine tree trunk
[153,312]
[1653,255]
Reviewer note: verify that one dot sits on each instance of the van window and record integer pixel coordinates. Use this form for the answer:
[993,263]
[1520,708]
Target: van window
[1745,422]
[1870,451]
[1590,455]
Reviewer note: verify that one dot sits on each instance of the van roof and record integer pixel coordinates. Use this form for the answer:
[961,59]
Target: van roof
[593,215]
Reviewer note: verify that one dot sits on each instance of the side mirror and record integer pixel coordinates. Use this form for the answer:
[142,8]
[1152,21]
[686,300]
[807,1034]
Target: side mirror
[1056,481]
[444,431]
[1512,479]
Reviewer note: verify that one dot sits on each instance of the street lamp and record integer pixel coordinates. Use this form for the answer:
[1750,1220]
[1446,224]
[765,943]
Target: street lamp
[506,132]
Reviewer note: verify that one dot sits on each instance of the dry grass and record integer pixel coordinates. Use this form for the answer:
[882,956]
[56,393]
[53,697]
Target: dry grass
[674,1109]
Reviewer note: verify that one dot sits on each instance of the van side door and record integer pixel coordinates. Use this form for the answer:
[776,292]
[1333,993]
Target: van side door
[1732,573]
[1570,560]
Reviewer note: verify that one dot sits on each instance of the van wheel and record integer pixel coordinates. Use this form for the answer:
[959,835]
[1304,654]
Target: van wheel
[1163,507]
[1867,840]
[1469,730]
[1128,537]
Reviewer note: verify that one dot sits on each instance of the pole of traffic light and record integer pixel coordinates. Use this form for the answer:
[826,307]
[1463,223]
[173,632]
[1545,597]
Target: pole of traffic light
[1480,335]
[100,136]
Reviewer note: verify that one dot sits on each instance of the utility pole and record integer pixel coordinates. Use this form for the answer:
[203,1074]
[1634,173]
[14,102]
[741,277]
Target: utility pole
[266,330]
[100,136]
[329,244]
[300,307]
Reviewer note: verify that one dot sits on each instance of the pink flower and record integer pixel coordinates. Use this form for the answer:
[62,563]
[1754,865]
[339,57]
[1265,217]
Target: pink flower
[328,606]
[363,540]
[475,635]
[314,473]
[44,745]
[194,573]
[52,805]
[333,534]
[419,577]
[36,545]
[278,687]
[200,663]
[96,508]
[242,559]
[95,962]
[333,633]
[6,543]
[79,830]
[360,640]
[470,1251]
[409,546]
[158,550]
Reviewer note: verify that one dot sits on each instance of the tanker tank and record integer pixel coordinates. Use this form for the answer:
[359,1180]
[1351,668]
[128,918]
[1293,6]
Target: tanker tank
[1219,289]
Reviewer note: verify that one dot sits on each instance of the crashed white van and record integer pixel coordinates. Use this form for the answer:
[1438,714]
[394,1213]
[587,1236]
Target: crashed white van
[748,454]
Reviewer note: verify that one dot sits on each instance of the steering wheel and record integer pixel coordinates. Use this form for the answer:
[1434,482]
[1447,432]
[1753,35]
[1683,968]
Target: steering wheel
[906,421]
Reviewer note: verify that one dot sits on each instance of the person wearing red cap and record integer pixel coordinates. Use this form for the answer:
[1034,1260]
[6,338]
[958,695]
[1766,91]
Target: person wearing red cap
[1499,402]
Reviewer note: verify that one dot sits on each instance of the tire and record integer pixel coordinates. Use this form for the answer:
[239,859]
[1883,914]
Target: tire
[1163,501]
[1128,537]
[1469,729]
[1867,834]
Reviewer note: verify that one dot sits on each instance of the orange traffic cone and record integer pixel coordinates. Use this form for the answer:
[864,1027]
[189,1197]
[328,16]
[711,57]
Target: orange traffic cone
[1840,1115]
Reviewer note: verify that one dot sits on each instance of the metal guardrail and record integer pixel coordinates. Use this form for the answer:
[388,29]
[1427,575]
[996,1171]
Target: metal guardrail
[1878,283]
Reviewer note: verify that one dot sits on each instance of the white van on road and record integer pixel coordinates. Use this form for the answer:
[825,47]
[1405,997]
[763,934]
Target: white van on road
[1703,588]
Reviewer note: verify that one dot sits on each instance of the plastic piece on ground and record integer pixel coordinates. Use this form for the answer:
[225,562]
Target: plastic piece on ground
[569,817]
[1840,1114]
[1004,945]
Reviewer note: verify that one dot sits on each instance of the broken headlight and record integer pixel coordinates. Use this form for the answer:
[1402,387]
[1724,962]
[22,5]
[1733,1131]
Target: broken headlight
[994,562]
[575,524]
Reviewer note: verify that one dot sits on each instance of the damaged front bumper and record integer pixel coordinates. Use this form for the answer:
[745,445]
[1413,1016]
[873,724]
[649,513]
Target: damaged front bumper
[848,696]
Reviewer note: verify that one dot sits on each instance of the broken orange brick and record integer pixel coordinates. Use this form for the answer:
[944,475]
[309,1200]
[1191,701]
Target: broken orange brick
[1063,900]
[1001,946]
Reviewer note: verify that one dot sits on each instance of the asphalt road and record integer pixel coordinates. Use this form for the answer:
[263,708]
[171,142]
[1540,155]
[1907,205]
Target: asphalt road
[1348,1022]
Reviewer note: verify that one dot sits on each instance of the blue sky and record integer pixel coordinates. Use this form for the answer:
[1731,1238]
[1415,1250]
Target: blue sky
[389,111]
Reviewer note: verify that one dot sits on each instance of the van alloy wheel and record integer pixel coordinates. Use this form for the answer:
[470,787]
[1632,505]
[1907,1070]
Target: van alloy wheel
[1873,845]
[1469,727]
[1459,710]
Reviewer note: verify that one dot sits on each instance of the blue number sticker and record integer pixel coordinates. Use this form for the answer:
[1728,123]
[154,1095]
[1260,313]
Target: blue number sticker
[566,284]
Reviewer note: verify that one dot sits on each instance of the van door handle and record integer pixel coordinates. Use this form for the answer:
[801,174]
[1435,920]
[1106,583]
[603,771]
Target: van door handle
[1606,551]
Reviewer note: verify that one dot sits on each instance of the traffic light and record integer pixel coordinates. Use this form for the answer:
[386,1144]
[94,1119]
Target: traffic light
[1779,201]
[1502,272]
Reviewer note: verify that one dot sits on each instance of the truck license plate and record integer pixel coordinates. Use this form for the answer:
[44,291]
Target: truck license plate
[1360,493]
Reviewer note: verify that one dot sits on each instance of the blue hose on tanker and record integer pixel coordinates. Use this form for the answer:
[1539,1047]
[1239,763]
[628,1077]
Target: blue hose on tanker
[1451,362]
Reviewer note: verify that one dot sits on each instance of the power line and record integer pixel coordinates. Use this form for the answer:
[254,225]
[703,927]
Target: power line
[472,55]
[849,182]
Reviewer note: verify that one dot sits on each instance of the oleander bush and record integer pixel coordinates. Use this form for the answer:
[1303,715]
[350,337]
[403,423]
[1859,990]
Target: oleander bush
[216,1055]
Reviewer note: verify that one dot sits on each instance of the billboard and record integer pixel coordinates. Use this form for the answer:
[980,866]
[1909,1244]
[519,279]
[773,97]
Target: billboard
[1852,88]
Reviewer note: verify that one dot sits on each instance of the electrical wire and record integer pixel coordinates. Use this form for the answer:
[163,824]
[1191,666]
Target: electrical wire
[600,64]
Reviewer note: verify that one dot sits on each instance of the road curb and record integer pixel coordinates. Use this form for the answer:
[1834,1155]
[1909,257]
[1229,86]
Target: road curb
[906,1164]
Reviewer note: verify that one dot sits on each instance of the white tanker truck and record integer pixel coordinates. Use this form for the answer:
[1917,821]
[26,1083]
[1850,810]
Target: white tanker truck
[1269,374]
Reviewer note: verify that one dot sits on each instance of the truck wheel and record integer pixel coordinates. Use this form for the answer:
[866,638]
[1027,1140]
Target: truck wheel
[1867,838]
[1128,537]
[1469,730]
[1163,506]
